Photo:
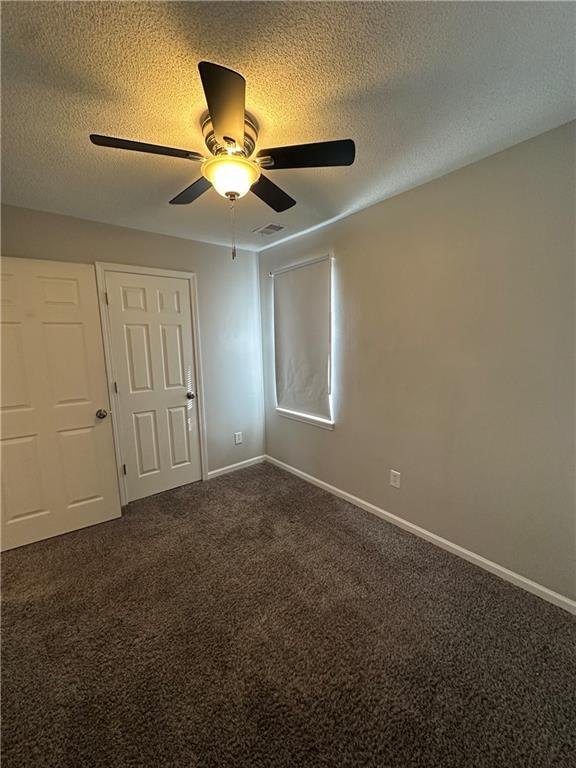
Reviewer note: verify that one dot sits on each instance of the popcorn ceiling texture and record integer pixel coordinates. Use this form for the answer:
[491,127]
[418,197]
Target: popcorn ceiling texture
[423,88]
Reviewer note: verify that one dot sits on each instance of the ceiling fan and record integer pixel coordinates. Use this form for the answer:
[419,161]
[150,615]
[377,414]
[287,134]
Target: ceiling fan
[230,133]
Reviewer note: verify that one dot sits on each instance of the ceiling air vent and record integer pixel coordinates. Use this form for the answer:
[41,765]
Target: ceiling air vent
[268,229]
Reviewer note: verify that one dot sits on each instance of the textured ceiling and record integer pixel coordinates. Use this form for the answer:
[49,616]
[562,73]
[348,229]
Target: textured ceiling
[423,88]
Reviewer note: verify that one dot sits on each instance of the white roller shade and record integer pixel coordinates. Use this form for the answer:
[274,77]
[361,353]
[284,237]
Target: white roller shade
[302,305]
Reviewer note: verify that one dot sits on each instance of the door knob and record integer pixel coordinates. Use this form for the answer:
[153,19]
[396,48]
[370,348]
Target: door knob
[190,395]
[101,413]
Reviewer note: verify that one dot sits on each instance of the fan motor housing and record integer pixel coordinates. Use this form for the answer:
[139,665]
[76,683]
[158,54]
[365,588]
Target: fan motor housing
[250,135]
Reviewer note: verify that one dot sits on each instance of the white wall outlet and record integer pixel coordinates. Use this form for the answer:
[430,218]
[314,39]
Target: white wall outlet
[394,478]
[237,438]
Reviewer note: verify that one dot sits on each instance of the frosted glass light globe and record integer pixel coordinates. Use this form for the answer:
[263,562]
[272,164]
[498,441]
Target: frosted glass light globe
[231,175]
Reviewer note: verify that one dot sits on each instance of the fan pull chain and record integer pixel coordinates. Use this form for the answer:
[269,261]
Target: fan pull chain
[233,225]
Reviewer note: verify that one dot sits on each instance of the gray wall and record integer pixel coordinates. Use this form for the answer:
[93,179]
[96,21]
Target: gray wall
[228,308]
[454,350]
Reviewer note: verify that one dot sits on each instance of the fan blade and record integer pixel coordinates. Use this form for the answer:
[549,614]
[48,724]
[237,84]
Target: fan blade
[225,92]
[190,194]
[140,146]
[318,155]
[272,195]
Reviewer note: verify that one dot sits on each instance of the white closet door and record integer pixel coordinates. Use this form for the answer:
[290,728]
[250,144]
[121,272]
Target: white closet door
[58,465]
[153,359]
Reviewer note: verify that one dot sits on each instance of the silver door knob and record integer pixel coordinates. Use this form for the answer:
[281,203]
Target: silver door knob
[101,413]
[190,395]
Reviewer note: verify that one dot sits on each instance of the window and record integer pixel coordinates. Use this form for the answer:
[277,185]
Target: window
[302,341]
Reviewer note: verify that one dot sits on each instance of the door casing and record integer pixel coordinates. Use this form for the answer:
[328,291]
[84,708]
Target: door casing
[101,269]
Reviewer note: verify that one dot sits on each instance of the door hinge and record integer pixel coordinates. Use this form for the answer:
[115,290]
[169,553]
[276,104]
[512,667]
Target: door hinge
[116,387]
[106,297]
[124,468]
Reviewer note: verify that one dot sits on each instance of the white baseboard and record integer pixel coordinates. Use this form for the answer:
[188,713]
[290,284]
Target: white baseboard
[233,467]
[514,578]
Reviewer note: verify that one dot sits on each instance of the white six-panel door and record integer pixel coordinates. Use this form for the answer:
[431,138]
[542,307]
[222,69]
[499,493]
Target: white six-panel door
[57,456]
[152,350]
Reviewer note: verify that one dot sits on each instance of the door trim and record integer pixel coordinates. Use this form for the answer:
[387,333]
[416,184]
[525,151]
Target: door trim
[101,268]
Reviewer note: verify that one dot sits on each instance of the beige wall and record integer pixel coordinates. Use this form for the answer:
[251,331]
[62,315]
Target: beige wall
[228,307]
[454,358]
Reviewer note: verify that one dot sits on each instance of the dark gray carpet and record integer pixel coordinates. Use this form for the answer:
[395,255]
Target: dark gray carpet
[257,621]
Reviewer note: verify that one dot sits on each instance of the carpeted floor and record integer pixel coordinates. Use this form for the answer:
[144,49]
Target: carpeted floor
[256,621]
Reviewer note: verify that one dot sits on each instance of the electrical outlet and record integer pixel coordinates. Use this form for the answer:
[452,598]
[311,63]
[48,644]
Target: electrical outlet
[237,438]
[394,478]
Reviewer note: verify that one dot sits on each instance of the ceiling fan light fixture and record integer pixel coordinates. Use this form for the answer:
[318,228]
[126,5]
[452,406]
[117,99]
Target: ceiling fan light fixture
[231,175]
[231,135]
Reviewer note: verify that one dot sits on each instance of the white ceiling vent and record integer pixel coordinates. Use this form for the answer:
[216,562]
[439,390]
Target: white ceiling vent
[268,229]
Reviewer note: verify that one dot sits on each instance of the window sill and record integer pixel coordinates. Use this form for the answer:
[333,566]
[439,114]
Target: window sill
[314,420]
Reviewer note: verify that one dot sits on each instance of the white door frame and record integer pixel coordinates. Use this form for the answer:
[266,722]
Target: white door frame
[101,268]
